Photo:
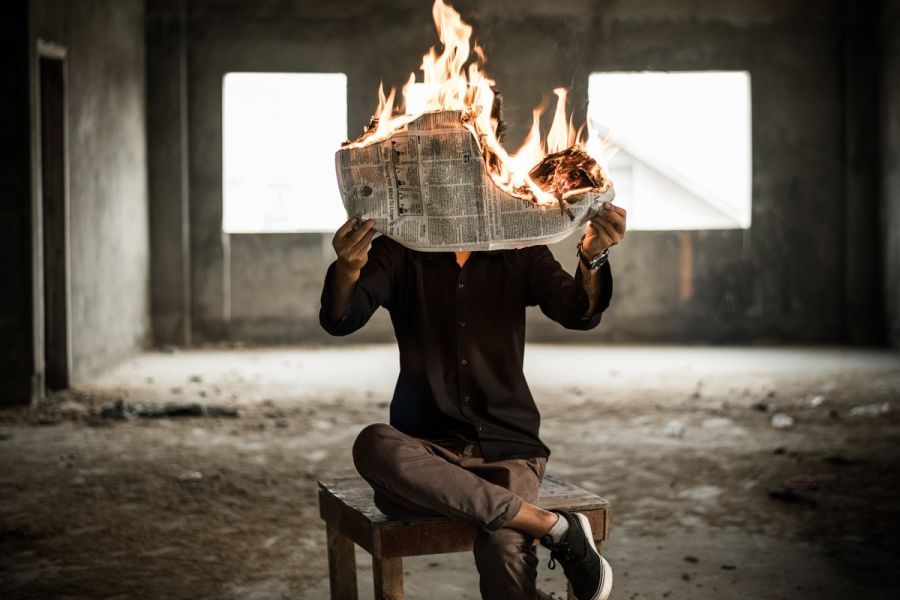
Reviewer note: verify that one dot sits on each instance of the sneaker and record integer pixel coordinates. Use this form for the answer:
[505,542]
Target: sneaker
[587,571]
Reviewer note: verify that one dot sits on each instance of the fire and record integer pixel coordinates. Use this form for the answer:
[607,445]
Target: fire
[447,85]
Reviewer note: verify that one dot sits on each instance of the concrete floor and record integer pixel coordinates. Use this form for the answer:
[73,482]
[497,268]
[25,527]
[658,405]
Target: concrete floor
[92,506]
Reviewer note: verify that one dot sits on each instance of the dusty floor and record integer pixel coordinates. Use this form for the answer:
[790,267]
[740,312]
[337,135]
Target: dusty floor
[94,506]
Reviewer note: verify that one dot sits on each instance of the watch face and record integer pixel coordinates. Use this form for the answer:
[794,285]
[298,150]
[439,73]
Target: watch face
[600,259]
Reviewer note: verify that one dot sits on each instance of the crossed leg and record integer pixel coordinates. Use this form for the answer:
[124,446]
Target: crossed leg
[416,477]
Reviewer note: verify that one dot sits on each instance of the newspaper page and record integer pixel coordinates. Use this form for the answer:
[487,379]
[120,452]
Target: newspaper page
[427,188]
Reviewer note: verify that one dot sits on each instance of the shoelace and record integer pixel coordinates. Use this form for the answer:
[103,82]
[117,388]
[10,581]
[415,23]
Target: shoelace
[563,551]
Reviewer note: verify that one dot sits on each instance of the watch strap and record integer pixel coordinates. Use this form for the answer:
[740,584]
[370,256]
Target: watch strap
[595,262]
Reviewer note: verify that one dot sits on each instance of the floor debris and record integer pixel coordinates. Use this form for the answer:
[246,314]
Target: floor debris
[817,401]
[190,476]
[675,429]
[870,410]
[782,421]
[122,410]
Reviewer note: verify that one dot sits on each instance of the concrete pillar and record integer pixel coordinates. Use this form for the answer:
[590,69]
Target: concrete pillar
[864,316]
[890,164]
[167,128]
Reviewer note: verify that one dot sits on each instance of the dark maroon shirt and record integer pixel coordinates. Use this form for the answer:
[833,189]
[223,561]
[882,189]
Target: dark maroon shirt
[461,334]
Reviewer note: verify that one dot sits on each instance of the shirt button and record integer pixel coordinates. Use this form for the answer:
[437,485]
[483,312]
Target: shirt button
[480,428]
[467,398]
[463,362]
[462,323]
[460,285]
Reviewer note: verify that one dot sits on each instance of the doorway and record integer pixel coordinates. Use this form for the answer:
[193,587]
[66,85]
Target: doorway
[54,210]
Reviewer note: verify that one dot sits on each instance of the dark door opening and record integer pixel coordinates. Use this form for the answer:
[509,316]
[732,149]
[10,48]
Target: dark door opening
[55,213]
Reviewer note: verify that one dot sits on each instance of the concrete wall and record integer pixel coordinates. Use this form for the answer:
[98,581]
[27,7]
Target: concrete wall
[16,352]
[109,256]
[785,279]
[890,164]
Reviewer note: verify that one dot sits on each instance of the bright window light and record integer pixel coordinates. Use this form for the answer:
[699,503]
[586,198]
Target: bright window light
[683,140]
[280,133]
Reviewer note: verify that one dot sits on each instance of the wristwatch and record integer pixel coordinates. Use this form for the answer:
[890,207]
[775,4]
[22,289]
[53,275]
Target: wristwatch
[592,263]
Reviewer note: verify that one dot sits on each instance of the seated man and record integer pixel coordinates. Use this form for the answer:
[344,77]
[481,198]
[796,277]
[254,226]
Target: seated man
[463,434]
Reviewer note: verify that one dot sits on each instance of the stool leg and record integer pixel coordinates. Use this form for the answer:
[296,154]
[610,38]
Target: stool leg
[388,576]
[341,565]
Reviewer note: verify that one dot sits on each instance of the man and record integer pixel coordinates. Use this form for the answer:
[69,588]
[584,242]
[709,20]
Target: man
[463,434]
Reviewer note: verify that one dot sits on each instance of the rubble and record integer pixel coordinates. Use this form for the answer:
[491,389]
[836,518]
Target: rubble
[121,410]
[782,421]
[870,410]
[675,429]
[717,423]
[190,476]
[817,401]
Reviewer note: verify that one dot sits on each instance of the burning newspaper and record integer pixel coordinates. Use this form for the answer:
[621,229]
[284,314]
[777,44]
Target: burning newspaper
[435,177]
[428,188]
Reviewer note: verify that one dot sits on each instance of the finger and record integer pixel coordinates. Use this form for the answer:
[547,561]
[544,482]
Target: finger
[607,230]
[346,227]
[363,244]
[616,220]
[603,226]
[610,226]
[617,209]
[613,216]
[354,236]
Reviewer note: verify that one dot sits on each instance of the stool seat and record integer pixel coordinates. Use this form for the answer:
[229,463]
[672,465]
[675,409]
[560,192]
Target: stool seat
[346,505]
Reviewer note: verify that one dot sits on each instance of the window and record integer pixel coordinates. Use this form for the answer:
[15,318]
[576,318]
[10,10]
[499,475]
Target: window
[280,133]
[683,146]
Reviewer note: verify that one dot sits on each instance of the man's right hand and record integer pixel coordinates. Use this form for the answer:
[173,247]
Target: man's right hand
[352,246]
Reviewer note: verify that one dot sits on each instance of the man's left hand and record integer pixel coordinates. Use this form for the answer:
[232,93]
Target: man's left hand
[604,231]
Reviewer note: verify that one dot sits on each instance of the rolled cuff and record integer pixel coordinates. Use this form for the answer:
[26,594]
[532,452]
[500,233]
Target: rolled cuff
[589,321]
[512,509]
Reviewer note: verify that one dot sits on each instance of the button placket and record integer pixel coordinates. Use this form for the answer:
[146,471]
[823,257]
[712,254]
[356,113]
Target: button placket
[462,349]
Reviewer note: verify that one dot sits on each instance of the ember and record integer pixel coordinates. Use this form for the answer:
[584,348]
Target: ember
[573,166]
[569,173]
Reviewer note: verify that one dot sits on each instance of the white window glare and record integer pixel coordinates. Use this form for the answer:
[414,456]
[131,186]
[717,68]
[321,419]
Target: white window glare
[683,157]
[279,135]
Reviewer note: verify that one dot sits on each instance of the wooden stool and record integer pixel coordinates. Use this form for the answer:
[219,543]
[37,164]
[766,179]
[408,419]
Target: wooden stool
[350,516]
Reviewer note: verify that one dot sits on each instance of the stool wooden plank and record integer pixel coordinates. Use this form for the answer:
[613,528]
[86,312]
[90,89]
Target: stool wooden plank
[347,507]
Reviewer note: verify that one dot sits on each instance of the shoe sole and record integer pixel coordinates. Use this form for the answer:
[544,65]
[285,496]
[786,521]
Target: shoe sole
[606,577]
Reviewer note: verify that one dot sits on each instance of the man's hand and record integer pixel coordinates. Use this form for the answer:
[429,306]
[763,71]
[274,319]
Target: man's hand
[605,230]
[352,247]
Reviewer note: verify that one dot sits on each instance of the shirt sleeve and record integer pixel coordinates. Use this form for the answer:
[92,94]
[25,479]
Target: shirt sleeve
[373,289]
[560,295]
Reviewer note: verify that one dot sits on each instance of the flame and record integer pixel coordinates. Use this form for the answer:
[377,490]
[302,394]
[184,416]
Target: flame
[448,85]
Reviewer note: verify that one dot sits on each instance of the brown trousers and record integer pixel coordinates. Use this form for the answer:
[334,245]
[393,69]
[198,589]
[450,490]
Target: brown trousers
[418,477]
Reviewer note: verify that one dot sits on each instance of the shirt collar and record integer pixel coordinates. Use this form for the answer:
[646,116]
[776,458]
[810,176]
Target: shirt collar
[436,255]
